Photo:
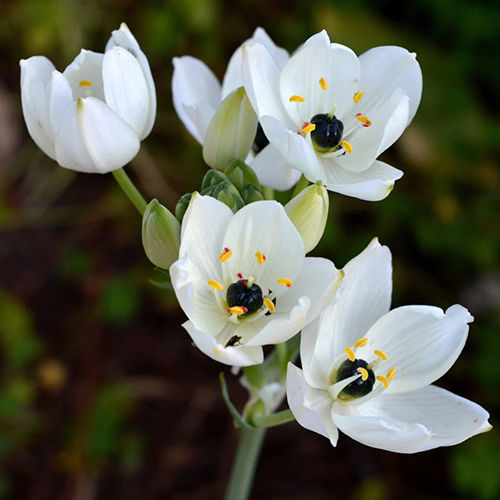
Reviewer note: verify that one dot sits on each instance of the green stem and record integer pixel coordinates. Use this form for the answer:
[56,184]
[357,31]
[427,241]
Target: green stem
[282,417]
[130,190]
[268,193]
[245,464]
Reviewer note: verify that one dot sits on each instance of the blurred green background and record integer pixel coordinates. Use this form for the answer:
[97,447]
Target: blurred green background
[101,393]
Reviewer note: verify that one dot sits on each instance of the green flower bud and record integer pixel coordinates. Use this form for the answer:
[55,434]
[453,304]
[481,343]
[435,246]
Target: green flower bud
[182,205]
[239,173]
[231,131]
[161,235]
[308,211]
[228,194]
[251,193]
[212,178]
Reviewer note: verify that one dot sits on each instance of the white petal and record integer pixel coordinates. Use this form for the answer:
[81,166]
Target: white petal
[273,171]
[202,234]
[196,93]
[263,227]
[125,88]
[310,407]
[58,97]
[35,76]
[373,184]
[84,75]
[294,149]
[388,123]
[384,69]
[234,356]
[261,78]
[364,298]
[232,78]
[93,138]
[447,419]
[421,343]
[124,38]
[337,64]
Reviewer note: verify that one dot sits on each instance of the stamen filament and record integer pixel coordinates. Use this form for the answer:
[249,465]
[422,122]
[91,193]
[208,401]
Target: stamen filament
[364,373]
[323,83]
[225,255]
[381,354]
[361,342]
[350,354]
[296,98]
[383,381]
[347,146]
[261,258]
[391,374]
[357,96]
[270,305]
[215,284]
[237,310]
[285,281]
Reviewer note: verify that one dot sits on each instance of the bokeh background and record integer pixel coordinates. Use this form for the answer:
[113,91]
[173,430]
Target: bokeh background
[101,393]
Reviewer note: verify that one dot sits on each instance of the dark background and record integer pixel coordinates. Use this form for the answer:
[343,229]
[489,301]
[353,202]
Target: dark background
[101,393]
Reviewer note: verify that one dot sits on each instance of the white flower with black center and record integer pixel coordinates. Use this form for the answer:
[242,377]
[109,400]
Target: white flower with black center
[330,114]
[366,370]
[243,279]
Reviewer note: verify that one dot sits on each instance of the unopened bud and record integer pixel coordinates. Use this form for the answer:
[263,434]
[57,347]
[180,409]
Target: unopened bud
[182,206]
[228,194]
[309,211]
[240,174]
[231,131]
[161,234]
[211,179]
[251,193]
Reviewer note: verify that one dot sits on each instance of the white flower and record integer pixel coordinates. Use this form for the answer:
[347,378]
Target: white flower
[197,95]
[91,117]
[366,371]
[330,114]
[243,279]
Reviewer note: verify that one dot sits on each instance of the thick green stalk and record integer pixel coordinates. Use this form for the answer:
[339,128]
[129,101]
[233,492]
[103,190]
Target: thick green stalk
[245,464]
[280,418]
[130,190]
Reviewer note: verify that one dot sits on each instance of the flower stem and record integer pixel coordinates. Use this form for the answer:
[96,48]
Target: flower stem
[130,190]
[282,417]
[245,464]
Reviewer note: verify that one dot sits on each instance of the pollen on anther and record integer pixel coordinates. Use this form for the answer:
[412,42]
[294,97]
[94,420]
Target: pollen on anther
[237,310]
[85,83]
[285,281]
[361,342]
[391,374]
[357,96]
[270,305]
[347,146]
[364,373]
[364,120]
[215,284]
[261,258]
[240,276]
[381,354]
[308,127]
[323,83]
[296,98]
[225,255]
[350,354]
[383,381]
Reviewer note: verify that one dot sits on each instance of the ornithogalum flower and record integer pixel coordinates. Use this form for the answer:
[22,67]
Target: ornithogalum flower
[243,279]
[330,114]
[197,95]
[91,117]
[367,370]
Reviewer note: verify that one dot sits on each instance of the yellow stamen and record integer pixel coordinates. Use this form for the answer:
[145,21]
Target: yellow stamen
[364,120]
[381,354]
[285,281]
[308,127]
[383,381]
[261,258]
[361,342]
[85,83]
[215,284]
[237,310]
[391,374]
[296,98]
[364,373]
[350,353]
[270,305]
[323,83]
[225,255]
[347,146]
[357,96]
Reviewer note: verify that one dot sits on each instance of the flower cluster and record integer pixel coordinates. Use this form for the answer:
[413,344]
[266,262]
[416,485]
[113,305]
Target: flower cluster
[315,121]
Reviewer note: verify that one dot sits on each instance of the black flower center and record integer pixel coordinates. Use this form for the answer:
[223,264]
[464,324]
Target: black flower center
[260,141]
[328,132]
[242,295]
[358,387]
